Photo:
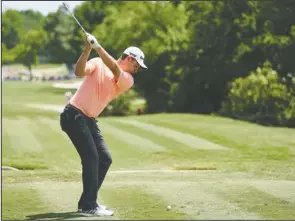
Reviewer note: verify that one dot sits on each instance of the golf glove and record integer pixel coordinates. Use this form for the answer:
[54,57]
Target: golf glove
[92,41]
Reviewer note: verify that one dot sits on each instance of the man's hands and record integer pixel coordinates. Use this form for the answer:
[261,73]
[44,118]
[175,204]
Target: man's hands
[92,41]
[107,59]
[88,46]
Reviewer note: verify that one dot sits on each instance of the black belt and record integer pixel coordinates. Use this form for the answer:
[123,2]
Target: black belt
[77,109]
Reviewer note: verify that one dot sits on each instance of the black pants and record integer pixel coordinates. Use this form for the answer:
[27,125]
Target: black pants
[90,144]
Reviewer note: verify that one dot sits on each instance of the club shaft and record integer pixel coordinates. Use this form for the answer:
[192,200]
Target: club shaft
[74,17]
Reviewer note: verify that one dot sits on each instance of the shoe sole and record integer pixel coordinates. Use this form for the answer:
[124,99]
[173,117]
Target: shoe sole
[93,215]
[80,210]
[88,215]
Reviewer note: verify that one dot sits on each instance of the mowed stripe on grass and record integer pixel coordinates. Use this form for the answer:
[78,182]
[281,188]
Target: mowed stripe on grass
[132,202]
[223,199]
[199,202]
[282,189]
[62,152]
[63,200]
[133,196]
[58,200]
[44,200]
[187,139]
[135,140]
[24,128]
[254,200]
[169,144]
[217,195]
[39,139]
[254,196]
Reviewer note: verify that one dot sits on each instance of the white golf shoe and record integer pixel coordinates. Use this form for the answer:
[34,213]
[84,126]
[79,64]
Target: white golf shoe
[99,205]
[97,212]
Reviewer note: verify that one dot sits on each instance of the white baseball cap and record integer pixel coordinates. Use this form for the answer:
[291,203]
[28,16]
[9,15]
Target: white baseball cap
[137,54]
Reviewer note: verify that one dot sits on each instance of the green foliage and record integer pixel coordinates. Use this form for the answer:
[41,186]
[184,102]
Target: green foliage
[267,34]
[61,29]
[16,24]
[193,48]
[150,26]
[92,13]
[121,106]
[261,97]
[17,28]
[205,64]
[11,28]
[27,51]
[32,19]
[7,55]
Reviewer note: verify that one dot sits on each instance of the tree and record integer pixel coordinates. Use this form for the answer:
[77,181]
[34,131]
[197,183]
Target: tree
[61,32]
[92,13]
[27,51]
[268,33]
[150,26]
[11,28]
[8,56]
[32,19]
[207,64]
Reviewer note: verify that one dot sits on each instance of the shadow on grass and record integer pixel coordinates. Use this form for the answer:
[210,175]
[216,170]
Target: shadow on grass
[55,216]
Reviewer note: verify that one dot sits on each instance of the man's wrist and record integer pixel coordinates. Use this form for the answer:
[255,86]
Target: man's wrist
[87,50]
[98,50]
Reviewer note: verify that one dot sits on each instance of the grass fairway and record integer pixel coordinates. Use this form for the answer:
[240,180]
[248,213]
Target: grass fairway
[205,167]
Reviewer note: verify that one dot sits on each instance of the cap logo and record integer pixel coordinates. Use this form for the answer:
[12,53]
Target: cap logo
[132,54]
[135,56]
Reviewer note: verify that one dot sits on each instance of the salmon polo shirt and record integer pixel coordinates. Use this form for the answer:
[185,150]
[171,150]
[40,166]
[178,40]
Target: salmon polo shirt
[99,87]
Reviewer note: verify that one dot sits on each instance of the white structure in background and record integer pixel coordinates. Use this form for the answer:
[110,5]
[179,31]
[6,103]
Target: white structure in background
[68,96]
[74,85]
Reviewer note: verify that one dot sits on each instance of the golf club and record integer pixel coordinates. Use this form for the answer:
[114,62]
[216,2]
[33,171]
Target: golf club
[68,9]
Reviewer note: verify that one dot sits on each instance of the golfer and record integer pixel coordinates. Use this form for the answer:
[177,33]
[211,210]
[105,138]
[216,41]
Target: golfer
[105,79]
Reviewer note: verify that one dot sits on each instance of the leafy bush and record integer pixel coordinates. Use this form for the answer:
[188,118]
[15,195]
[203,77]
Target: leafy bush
[121,106]
[262,97]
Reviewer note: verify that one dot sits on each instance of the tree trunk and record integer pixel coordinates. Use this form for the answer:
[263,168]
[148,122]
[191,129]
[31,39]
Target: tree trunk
[31,73]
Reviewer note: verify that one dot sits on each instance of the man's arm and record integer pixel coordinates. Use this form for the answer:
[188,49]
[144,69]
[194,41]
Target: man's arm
[107,59]
[81,68]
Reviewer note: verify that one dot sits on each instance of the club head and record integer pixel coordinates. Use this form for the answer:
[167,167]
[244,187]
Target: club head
[66,6]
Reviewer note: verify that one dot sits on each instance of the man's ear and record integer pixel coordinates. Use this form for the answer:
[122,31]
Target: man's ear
[129,58]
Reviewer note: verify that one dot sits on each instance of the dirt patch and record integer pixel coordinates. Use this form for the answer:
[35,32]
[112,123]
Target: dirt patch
[194,168]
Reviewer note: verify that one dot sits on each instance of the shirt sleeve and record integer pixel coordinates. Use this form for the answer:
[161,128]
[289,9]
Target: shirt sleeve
[92,64]
[125,81]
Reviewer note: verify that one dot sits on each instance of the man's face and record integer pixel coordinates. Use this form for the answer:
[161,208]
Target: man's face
[132,65]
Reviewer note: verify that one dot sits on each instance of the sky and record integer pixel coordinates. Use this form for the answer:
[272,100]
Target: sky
[42,6]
